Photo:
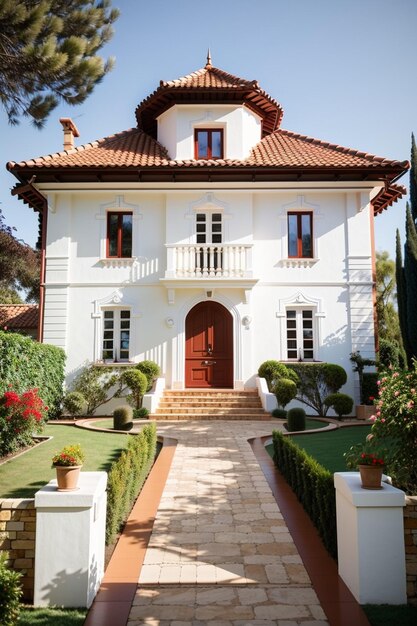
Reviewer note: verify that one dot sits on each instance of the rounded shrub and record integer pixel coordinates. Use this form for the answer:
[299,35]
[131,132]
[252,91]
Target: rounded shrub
[74,403]
[273,370]
[151,371]
[296,419]
[123,418]
[285,390]
[280,414]
[137,383]
[141,413]
[334,376]
[341,403]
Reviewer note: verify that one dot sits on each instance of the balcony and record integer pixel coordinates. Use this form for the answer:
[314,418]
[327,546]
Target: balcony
[209,264]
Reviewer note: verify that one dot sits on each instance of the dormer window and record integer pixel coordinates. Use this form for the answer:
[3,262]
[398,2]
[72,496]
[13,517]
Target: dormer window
[208,143]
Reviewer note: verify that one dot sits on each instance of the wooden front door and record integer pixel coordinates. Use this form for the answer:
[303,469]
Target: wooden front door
[209,346]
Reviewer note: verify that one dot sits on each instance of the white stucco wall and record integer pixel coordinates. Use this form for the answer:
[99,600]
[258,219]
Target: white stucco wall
[241,128]
[337,283]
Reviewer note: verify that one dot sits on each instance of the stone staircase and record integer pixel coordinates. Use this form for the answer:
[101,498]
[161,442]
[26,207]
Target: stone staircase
[210,404]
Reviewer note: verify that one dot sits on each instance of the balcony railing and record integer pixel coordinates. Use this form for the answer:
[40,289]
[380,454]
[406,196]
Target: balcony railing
[209,261]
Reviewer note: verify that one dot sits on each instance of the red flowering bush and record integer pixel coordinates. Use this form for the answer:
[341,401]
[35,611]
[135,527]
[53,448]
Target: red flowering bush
[21,416]
[369,452]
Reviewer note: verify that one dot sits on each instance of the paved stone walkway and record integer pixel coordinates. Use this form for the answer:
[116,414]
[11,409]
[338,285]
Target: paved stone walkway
[220,552]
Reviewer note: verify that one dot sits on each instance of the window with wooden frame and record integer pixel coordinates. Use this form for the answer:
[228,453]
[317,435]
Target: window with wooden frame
[116,335]
[300,235]
[208,143]
[300,334]
[119,235]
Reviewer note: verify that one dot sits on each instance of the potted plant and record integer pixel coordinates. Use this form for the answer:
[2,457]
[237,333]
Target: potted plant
[370,460]
[365,409]
[68,463]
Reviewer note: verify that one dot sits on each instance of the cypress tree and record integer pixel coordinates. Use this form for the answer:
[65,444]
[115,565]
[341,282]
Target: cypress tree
[407,276]
[413,179]
[401,293]
[410,275]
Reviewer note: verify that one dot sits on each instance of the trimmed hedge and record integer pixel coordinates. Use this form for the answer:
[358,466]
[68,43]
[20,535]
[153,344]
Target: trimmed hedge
[126,478]
[123,418]
[312,484]
[27,364]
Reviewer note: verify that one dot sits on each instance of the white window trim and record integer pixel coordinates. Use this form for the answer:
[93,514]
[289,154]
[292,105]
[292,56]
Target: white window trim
[117,331]
[208,204]
[118,205]
[114,300]
[300,205]
[300,302]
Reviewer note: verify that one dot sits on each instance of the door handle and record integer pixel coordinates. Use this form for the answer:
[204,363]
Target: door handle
[208,362]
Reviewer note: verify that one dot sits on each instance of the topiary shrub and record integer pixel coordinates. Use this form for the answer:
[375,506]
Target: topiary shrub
[136,382]
[341,403]
[280,414]
[317,381]
[74,403]
[122,418]
[285,390]
[296,419]
[141,413]
[10,593]
[151,371]
[274,370]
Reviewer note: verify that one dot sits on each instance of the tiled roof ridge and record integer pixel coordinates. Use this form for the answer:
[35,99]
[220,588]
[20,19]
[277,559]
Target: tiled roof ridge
[181,82]
[337,147]
[86,146]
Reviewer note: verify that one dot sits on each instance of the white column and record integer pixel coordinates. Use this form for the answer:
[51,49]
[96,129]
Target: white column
[70,541]
[370,540]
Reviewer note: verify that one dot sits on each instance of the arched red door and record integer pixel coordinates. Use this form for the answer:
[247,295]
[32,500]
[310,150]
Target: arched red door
[209,346]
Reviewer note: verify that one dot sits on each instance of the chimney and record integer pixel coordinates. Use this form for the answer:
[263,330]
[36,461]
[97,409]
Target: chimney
[70,131]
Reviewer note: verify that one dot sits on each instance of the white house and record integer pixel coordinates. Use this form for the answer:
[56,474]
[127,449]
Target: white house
[208,238]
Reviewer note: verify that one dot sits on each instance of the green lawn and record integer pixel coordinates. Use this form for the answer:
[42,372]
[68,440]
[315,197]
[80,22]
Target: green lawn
[328,447]
[23,476]
[52,617]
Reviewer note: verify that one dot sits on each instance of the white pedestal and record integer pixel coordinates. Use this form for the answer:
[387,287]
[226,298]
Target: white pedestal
[70,541]
[370,540]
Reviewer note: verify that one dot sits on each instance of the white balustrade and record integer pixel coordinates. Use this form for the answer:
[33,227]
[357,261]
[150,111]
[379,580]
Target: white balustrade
[209,261]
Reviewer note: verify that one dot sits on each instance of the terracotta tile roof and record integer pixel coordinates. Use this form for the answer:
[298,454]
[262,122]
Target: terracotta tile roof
[19,316]
[209,85]
[282,149]
[387,196]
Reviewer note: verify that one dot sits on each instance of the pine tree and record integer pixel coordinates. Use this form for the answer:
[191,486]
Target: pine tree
[48,53]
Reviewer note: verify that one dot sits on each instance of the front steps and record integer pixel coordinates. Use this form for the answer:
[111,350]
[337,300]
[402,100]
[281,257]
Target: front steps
[210,404]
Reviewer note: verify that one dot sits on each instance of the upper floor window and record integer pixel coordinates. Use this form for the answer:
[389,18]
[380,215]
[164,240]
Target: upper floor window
[300,235]
[209,228]
[119,235]
[208,143]
[116,335]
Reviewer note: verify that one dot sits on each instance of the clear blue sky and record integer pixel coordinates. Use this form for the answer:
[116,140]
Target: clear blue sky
[344,71]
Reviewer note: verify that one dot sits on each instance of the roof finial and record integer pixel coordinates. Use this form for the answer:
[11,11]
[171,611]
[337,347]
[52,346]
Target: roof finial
[208,64]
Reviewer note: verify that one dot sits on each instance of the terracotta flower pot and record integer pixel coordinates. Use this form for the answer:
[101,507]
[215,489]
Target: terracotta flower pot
[67,477]
[364,411]
[371,476]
